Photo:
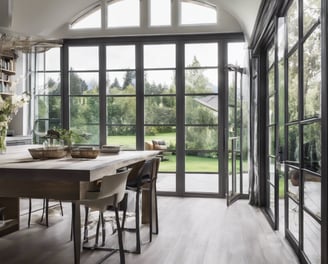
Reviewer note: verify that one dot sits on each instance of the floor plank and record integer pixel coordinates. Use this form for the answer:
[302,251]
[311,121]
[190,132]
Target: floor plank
[192,231]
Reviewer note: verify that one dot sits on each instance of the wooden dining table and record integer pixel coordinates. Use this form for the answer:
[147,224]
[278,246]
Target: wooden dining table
[64,179]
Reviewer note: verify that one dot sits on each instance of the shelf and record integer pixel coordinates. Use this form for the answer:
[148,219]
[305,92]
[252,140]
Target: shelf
[8,72]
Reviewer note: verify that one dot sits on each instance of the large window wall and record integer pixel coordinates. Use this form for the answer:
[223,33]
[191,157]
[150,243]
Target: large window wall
[303,127]
[129,92]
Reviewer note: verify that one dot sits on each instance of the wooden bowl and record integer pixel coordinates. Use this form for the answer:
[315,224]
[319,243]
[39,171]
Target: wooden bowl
[85,153]
[51,153]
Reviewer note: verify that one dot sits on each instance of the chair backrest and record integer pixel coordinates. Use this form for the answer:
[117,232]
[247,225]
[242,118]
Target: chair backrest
[114,185]
[156,161]
[135,170]
[149,169]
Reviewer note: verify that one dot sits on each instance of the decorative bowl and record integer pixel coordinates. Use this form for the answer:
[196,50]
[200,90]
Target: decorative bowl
[49,153]
[85,153]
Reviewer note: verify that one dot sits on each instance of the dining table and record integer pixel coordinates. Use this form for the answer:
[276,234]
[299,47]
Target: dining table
[65,179]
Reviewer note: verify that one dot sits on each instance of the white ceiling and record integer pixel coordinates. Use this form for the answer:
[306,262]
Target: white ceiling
[50,18]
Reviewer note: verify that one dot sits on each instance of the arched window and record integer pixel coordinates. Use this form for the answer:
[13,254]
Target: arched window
[91,18]
[194,12]
[123,13]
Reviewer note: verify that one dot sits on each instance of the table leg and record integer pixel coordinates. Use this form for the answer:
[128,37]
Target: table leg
[76,218]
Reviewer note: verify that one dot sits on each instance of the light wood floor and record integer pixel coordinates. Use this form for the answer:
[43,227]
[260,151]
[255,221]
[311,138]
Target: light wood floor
[192,231]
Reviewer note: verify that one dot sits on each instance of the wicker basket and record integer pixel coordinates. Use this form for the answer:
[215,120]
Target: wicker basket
[51,153]
[85,153]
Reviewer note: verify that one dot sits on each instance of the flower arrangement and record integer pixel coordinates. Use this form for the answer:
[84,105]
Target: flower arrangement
[9,105]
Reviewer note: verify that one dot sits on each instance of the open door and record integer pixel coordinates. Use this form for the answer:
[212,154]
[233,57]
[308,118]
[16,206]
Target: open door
[235,142]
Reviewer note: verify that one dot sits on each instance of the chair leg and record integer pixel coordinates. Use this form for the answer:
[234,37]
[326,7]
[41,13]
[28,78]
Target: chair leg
[137,218]
[156,211]
[61,208]
[124,205]
[120,238]
[150,212]
[29,212]
[45,209]
[103,228]
[97,231]
[85,235]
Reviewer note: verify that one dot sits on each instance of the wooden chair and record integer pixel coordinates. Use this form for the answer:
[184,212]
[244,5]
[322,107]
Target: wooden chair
[143,179]
[110,194]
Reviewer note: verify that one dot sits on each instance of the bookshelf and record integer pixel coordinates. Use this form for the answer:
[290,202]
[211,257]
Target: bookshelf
[7,71]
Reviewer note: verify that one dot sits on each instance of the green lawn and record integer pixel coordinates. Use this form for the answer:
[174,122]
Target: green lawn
[193,163]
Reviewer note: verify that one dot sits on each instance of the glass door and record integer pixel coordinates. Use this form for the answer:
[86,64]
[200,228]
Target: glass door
[235,154]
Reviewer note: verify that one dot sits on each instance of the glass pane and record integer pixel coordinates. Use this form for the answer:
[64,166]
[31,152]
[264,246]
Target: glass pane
[196,12]
[312,75]
[270,57]
[202,138]
[281,38]
[271,82]
[293,143]
[292,24]
[48,107]
[53,59]
[312,193]
[232,87]
[272,110]
[120,57]
[159,56]
[160,110]
[165,181]
[125,13]
[48,84]
[312,239]
[293,218]
[159,82]
[91,132]
[272,140]
[293,87]
[124,136]
[84,110]
[312,147]
[40,59]
[201,110]
[201,81]
[293,183]
[160,12]
[232,122]
[121,110]
[90,20]
[311,13]
[205,183]
[83,58]
[166,134]
[201,162]
[237,53]
[121,82]
[201,54]
[272,170]
[83,83]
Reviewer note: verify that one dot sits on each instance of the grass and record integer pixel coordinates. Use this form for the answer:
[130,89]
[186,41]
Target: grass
[192,163]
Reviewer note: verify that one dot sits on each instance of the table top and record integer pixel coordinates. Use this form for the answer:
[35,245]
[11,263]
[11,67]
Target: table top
[17,163]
